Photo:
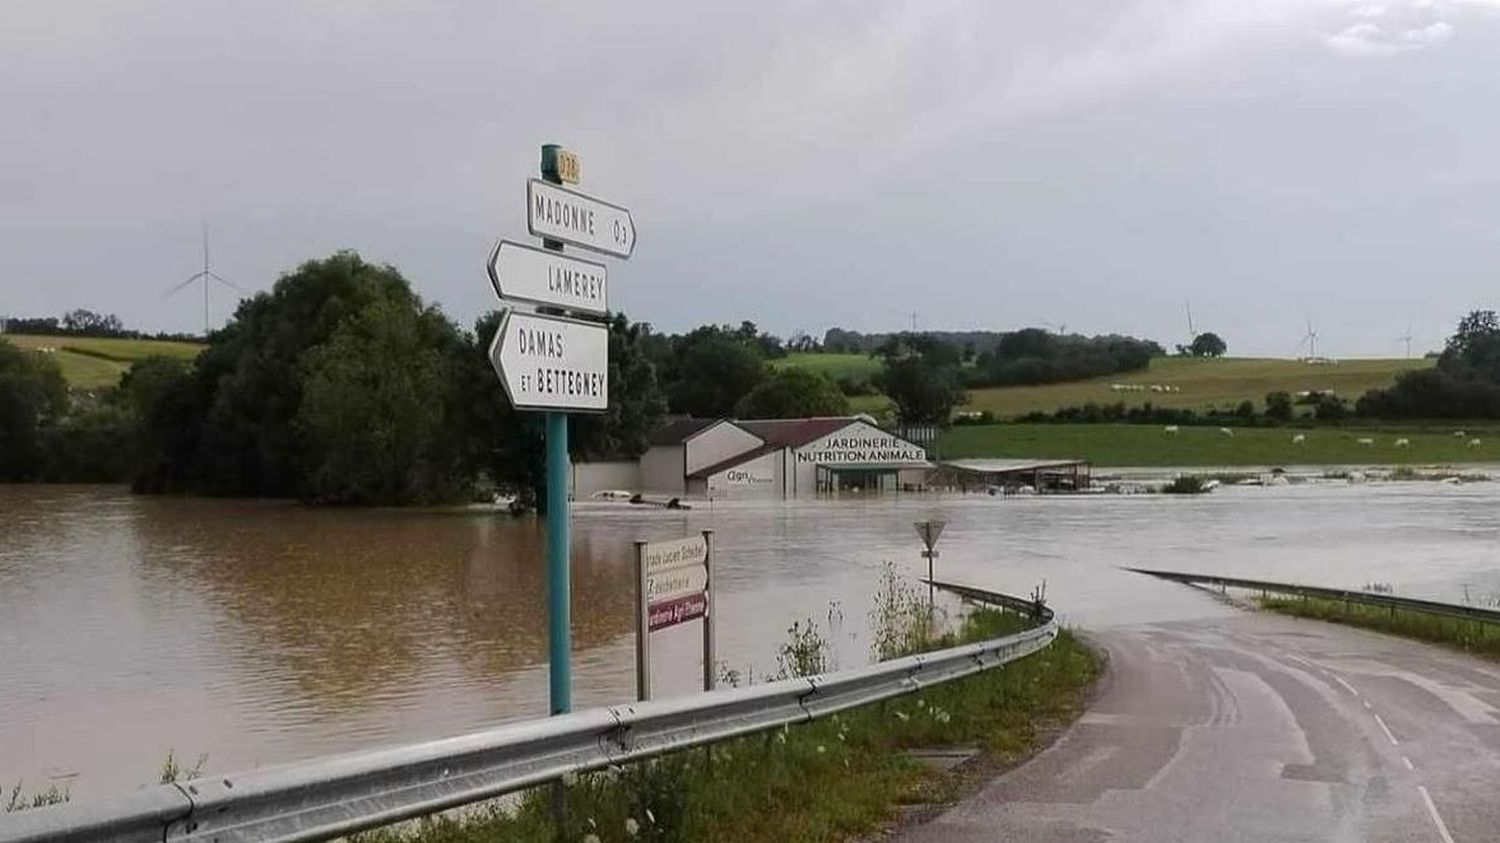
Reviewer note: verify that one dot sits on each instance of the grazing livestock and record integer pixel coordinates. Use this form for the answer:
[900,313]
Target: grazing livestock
[1403,443]
[1299,439]
[1226,431]
[1171,428]
[1474,443]
[1459,434]
[1365,441]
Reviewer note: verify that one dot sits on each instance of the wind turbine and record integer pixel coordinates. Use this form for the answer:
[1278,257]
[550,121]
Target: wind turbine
[1192,332]
[1310,339]
[1061,328]
[206,275]
[1406,338]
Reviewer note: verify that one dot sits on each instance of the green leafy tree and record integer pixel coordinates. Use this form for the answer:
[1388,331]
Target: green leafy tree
[1279,406]
[793,392]
[1208,344]
[923,377]
[33,396]
[713,368]
[373,413]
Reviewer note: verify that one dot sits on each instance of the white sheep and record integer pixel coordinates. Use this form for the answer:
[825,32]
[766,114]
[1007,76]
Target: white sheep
[1171,428]
[1226,431]
[1403,443]
[1299,439]
[1474,443]
[1365,441]
[1459,434]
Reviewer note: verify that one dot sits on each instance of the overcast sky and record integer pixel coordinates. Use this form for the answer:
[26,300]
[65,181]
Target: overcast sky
[1093,163]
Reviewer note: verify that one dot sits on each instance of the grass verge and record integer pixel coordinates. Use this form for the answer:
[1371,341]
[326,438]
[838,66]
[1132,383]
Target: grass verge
[829,780]
[1469,636]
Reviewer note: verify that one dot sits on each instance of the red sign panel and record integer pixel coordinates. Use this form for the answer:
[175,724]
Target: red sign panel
[678,609]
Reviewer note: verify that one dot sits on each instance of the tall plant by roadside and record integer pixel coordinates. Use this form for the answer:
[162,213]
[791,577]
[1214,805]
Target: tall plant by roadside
[902,622]
[33,396]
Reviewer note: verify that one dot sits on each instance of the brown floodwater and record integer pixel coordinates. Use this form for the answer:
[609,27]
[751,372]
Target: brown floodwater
[258,632]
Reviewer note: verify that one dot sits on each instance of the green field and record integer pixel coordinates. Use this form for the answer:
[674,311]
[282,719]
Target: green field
[832,365]
[1150,445]
[1203,383]
[92,362]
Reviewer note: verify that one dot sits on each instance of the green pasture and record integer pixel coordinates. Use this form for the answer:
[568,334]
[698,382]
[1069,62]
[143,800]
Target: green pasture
[93,362]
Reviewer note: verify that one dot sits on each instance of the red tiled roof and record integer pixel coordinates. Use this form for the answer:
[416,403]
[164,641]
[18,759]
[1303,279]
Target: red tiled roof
[794,433]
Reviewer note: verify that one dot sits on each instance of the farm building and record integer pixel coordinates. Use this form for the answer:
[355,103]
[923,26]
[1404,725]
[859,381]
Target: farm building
[773,458]
[989,474]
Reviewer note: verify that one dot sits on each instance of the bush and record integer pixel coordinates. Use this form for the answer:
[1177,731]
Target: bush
[1187,484]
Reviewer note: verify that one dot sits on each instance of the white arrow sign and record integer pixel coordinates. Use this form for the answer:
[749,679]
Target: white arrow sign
[547,277]
[572,217]
[548,363]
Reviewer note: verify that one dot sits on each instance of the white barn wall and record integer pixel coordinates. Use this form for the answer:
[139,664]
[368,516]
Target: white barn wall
[805,466]
[758,478]
[662,470]
[591,477]
[717,443]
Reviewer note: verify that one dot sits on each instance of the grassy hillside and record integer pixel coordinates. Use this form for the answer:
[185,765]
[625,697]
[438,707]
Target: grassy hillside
[1203,383]
[833,365]
[91,362]
[1150,445]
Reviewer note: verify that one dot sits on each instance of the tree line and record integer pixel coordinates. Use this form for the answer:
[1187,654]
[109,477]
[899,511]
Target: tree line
[341,385]
[82,322]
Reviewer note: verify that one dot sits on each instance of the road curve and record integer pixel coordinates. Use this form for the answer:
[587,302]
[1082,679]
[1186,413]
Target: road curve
[1259,727]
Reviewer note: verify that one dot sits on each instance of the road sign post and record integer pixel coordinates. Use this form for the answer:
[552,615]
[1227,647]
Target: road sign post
[674,584]
[929,531]
[555,364]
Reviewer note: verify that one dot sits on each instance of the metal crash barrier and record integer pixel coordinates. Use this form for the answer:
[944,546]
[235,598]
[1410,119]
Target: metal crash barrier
[328,797]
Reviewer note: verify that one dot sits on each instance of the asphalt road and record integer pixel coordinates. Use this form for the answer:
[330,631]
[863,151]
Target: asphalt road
[1259,727]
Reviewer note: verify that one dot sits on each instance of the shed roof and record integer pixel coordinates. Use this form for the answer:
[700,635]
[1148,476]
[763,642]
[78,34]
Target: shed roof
[1010,466]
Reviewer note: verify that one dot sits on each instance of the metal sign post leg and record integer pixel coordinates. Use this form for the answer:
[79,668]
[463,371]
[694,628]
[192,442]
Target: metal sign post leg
[711,618]
[559,585]
[642,627]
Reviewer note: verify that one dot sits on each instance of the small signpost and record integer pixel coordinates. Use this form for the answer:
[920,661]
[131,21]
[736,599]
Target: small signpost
[929,531]
[674,584]
[555,364]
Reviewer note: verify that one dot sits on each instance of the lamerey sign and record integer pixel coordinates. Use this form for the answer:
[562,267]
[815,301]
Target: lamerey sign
[546,362]
[549,278]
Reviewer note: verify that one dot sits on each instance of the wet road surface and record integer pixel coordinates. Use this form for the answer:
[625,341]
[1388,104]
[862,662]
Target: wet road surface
[1259,727]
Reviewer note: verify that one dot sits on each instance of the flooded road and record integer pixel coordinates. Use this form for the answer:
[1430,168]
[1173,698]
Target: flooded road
[263,632]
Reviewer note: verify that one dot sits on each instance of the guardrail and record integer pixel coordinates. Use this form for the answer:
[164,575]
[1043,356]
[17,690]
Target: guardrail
[1368,598]
[328,797]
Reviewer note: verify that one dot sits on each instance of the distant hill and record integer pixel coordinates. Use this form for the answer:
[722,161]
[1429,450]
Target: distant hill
[1199,383]
[93,362]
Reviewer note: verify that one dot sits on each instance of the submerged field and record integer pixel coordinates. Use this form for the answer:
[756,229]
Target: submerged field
[1150,445]
[93,362]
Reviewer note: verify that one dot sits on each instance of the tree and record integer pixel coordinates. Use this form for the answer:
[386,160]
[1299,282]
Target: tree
[1208,344]
[90,324]
[923,377]
[712,368]
[1464,384]
[33,396]
[1279,406]
[373,414]
[793,392]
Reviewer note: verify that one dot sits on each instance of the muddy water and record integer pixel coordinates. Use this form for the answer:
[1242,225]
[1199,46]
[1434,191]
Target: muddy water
[263,632]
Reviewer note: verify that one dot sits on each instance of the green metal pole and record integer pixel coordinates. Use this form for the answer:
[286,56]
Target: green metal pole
[559,585]
[559,550]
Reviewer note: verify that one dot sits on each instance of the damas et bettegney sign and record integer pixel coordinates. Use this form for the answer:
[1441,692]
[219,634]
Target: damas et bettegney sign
[864,449]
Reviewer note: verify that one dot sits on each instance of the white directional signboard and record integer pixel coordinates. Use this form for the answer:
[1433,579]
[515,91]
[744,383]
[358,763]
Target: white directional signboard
[676,581]
[547,277]
[557,213]
[549,363]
